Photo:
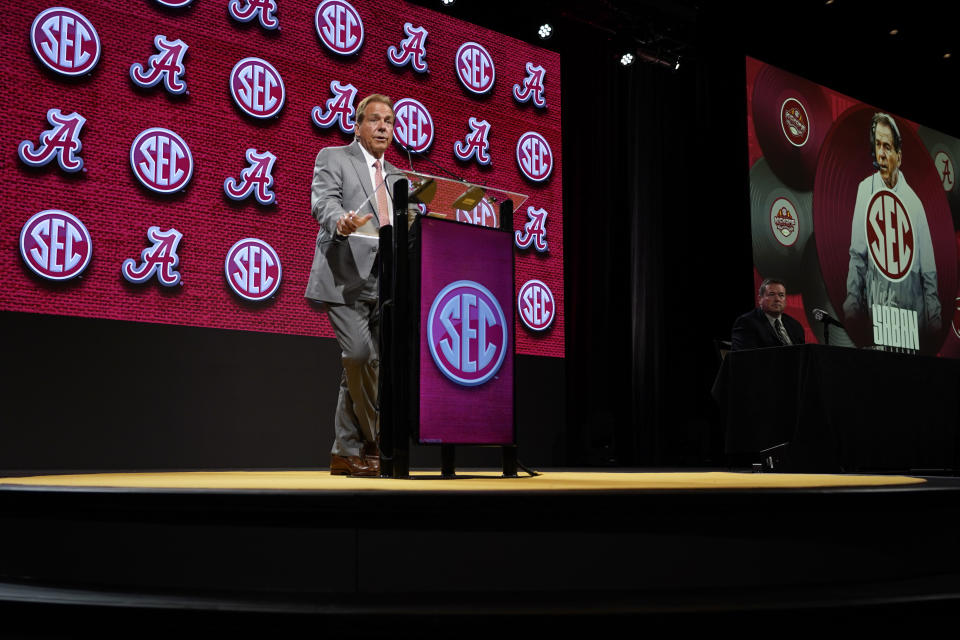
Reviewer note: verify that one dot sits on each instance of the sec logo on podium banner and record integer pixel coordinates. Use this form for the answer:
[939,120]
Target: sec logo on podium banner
[467,333]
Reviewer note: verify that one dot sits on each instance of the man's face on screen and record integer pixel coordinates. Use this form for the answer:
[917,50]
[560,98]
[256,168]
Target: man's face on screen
[887,156]
[774,299]
[376,130]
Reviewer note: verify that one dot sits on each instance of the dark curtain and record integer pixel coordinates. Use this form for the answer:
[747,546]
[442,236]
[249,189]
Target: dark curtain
[657,247]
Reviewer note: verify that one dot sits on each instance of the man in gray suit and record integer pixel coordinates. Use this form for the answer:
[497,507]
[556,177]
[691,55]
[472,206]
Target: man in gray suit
[351,199]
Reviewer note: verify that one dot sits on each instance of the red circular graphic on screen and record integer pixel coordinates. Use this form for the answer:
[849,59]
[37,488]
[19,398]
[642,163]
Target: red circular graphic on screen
[339,26]
[794,121]
[65,41]
[784,222]
[257,88]
[535,305]
[55,245]
[791,117]
[161,160]
[475,68]
[413,125]
[946,169]
[890,235]
[252,268]
[467,333]
[534,156]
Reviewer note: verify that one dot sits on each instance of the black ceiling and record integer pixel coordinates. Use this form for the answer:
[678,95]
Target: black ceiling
[845,45]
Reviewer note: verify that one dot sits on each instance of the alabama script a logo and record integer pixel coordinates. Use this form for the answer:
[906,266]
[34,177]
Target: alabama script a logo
[62,142]
[534,231]
[247,10]
[531,89]
[256,179]
[166,65]
[944,164]
[161,259]
[412,49]
[475,145]
[340,108]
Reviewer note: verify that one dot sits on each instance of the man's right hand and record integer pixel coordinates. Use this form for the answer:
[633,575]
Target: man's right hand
[350,222]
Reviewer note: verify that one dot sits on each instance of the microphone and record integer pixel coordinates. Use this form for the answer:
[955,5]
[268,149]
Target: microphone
[435,164]
[822,316]
[425,191]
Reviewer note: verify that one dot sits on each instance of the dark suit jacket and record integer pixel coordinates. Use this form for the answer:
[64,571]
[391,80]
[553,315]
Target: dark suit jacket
[752,330]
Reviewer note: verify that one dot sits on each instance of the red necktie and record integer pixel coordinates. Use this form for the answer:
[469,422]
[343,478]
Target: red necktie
[383,209]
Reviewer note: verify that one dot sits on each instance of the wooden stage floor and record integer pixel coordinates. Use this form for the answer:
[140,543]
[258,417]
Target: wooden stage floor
[466,481]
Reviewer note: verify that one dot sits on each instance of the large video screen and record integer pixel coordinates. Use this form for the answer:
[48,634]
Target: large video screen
[857,210]
[159,153]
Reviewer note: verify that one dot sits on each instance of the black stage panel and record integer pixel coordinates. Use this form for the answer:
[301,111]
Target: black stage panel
[420,551]
[833,409]
[81,394]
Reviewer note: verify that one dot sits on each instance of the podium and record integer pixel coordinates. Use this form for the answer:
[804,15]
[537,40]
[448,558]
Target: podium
[447,304]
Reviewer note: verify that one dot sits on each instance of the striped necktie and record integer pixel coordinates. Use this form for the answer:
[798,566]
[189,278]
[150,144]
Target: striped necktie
[781,332]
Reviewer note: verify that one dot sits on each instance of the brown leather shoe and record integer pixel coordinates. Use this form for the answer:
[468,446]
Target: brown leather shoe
[371,455]
[354,466]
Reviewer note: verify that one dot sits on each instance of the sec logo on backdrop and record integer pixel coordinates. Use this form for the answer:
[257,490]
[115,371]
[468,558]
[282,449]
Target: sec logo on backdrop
[339,26]
[55,245]
[535,305]
[257,88]
[467,333]
[482,215]
[161,160]
[475,68]
[65,41]
[413,127]
[534,156]
[252,268]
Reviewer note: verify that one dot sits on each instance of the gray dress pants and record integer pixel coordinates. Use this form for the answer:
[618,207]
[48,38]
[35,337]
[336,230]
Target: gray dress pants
[357,327]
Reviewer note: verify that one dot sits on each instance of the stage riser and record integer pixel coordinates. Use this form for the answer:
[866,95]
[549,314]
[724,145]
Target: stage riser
[619,543]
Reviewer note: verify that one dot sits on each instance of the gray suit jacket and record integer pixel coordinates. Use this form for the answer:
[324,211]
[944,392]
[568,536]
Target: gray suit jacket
[341,183]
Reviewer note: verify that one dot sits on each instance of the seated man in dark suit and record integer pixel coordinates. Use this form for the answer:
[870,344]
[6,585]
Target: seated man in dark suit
[767,325]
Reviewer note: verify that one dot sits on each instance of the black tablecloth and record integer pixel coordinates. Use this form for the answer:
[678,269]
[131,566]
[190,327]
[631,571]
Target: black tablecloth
[842,409]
